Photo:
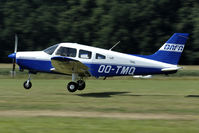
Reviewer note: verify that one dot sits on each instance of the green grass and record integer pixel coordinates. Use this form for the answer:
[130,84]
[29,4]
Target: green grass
[176,95]
[96,125]
[166,96]
[155,96]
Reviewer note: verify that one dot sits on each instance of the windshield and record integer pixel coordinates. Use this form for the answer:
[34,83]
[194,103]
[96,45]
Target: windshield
[51,49]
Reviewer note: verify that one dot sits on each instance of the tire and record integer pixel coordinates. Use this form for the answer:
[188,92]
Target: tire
[72,86]
[27,85]
[81,84]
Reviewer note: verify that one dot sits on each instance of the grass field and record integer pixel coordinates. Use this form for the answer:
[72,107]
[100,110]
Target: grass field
[157,105]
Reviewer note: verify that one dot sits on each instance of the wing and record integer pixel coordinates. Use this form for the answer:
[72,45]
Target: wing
[67,65]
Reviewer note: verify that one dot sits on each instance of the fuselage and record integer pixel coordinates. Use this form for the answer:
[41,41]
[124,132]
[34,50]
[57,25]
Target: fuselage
[81,61]
[100,62]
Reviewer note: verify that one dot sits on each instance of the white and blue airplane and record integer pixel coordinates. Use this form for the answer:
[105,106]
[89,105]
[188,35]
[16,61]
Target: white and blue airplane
[82,61]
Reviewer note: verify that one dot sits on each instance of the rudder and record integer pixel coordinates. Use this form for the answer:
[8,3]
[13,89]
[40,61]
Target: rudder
[171,51]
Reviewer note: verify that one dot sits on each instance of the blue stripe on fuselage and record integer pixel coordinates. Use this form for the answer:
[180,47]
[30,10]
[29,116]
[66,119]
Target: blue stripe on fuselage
[96,70]
[108,70]
[37,65]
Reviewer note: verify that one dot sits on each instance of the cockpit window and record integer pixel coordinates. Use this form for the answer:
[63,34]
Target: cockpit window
[51,49]
[65,51]
[100,56]
[85,54]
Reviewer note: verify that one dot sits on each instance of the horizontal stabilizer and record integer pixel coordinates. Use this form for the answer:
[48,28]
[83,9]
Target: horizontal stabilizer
[143,76]
[171,69]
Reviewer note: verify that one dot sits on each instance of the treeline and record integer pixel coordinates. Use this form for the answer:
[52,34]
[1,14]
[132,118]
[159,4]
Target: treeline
[142,26]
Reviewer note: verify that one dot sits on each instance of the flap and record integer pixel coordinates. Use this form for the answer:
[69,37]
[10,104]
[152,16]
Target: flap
[67,65]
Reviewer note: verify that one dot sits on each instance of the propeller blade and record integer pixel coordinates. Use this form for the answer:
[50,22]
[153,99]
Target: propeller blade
[16,43]
[13,68]
[14,64]
[14,59]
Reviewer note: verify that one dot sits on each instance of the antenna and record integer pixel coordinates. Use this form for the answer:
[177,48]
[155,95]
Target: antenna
[114,45]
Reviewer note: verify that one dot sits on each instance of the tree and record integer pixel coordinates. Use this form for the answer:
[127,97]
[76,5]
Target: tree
[142,26]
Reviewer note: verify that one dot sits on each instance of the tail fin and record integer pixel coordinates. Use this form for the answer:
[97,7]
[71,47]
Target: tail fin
[171,51]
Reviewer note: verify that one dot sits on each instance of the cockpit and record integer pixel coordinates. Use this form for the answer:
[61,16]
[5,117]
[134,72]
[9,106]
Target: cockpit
[73,52]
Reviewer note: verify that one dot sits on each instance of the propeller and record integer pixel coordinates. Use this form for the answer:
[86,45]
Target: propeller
[14,59]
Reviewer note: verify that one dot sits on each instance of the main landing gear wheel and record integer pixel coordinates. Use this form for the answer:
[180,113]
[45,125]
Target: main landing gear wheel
[72,86]
[27,84]
[81,84]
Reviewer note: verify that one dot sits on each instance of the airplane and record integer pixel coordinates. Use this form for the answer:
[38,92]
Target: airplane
[82,61]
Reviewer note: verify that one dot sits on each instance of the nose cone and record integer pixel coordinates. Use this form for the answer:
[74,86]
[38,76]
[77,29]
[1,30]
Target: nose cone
[13,56]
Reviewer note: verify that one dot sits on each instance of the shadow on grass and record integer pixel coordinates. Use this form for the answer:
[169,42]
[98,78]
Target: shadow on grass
[110,94]
[101,94]
[197,96]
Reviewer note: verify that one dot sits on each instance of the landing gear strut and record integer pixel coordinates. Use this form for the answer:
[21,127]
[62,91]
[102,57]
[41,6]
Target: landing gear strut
[27,84]
[74,86]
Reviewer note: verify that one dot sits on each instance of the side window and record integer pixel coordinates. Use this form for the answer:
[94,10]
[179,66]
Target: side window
[69,52]
[100,56]
[85,54]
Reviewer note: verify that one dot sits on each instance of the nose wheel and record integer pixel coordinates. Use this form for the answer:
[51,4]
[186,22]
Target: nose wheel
[74,86]
[27,84]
